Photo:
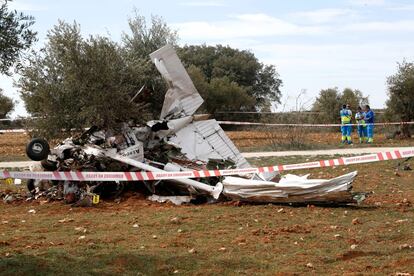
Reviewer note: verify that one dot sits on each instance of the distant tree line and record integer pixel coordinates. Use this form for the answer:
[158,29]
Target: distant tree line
[330,101]
[399,106]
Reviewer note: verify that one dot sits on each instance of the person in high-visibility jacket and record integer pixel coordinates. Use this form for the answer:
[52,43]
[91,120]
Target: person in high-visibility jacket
[369,120]
[346,128]
[362,127]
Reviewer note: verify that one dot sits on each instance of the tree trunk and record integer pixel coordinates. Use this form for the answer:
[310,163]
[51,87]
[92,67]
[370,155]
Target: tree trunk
[405,131]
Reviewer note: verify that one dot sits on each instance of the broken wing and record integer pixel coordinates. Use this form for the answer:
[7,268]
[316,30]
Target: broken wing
[182,98]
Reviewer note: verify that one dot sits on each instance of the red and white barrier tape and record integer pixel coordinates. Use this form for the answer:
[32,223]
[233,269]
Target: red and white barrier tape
[139,176]
[307,125]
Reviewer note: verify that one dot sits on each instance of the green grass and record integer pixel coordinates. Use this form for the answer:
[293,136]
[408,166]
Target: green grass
[258,239]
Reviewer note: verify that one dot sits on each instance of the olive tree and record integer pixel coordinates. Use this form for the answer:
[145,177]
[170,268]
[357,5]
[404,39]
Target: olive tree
[76,82]
[401,94]
[6,105]
[16,36]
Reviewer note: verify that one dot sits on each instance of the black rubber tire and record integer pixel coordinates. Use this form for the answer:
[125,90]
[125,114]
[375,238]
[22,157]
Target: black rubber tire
[30,185]
[37,149]
[48,165]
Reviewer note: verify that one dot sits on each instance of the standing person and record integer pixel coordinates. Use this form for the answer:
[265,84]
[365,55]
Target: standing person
[362,127]
[349,131]
[369,120]
[346,128]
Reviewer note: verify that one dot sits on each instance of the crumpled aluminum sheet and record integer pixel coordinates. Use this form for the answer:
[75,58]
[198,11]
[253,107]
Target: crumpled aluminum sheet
[182,98]
[291,189]
[177,200]
[204,140]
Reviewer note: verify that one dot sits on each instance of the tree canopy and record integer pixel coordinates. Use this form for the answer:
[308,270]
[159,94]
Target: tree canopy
[137,44]
[220,93]
[16,36]
[75,82]
[257,84]
[401,94]
[6,105]
[330,101]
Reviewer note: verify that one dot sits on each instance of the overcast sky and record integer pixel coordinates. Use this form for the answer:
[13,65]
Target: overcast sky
[313,44]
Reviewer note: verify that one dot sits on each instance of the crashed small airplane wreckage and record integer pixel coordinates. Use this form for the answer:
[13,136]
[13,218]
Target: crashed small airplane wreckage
[178,141]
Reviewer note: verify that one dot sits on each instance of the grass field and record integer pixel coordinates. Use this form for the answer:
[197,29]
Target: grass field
[226,238]
[12,146]
[296,139]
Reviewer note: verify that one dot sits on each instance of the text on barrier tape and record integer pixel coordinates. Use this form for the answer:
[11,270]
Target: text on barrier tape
[139,176]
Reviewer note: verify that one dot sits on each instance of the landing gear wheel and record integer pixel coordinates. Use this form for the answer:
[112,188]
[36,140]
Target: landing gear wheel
[37,149]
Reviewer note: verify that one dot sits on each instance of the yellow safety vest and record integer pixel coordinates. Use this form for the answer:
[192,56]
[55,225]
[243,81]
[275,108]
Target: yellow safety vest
[360,122]
[345,118]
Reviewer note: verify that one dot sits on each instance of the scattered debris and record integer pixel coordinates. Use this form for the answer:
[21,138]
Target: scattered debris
[403,165]
[356,221]
[80,229]
[66,220]
[32,211]
[8,198]
[175,220]
[405,246]
[177,200]
[354,246]
[178,141]
[309,265]
[404,203]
